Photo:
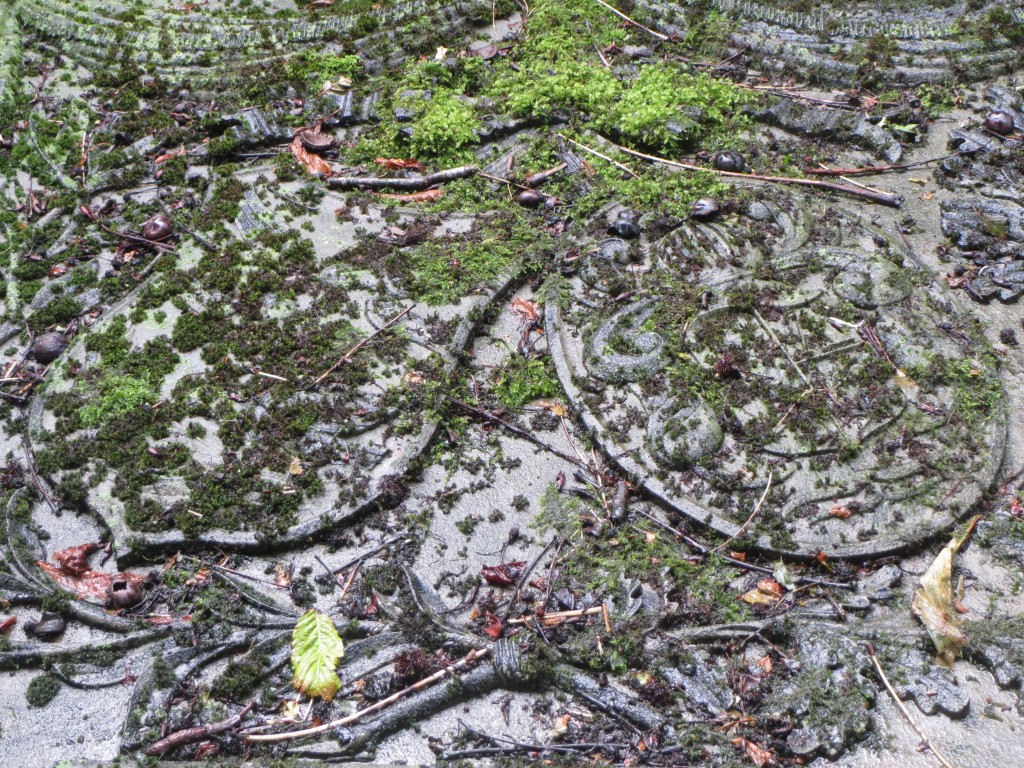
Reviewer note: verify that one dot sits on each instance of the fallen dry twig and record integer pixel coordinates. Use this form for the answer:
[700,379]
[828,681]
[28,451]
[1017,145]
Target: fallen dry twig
[882,198]
[475,655]
[348,355]
[411,184]
[870,170]
[903,708]
[189,735]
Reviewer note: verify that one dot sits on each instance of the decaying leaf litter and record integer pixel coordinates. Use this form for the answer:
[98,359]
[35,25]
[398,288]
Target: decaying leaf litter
[639,427]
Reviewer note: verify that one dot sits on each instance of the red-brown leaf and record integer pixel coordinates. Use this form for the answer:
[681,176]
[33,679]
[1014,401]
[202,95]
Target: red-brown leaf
[493,627]
[759,756]
[87,585]
[503,575]
[8,623]
[526,309]
[426,196]
[397,164]
[313,163]
[74,560]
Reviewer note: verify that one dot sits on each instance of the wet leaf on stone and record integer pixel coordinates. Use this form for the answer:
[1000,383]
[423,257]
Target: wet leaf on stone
[8,623]
[398,164]
[88,585]
[935,602]
[316,651]
[492,626]
[70,569]
[503,575]
[768,592]
[758,755]
[314,163]
[74,560]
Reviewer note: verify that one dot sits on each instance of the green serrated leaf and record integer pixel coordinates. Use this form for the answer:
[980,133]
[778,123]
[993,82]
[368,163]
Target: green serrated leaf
[316,650]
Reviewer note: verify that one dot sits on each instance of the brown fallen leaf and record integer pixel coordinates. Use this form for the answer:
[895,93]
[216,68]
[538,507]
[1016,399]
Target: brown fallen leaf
[74,560]
[8,623]
[935,602]
[313,163]
[282,577]
[88,585]
[70,569]
[557,409]
[398,164]
[768,592]
[758,755]
[503,575]
[838,510]
[492,628]
[426,196]
[525,309]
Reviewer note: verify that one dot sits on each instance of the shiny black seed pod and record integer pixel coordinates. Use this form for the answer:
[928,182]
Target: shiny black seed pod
[705,209]
[157,228]
[729,160]
[48,347]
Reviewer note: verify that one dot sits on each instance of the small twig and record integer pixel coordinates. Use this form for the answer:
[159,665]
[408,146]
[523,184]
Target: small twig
[524,576]
[621,15]
[757,508]
[903,708]
[523,434]
[333,575]
[825,171]
[189,735]
[233,572]
[559,617]
[371,553]
[348,355]
[35,479]
[700,549]
[474,655]
[415,183]
[882,198]
[348,582]
[601,155]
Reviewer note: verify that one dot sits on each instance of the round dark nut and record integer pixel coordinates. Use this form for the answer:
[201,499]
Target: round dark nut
[124,593]
[157,228]
[48,347]
[705,209]
[1000,122]
[729,160]
[627,225]
[530,198]
[315,141]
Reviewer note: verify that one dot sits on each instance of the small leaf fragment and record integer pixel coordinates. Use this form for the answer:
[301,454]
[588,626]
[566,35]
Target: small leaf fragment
[935,602]
[316,650]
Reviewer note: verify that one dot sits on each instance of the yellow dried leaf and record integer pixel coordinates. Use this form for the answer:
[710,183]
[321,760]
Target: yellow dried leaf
[291,711]
[935,602]
[295,468]
[556,408]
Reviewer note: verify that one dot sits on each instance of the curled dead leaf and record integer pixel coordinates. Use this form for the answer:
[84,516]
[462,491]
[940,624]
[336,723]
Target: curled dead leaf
[313,163]
[758,755]
[935,602]
[528,310]
[554,407]
[398,164]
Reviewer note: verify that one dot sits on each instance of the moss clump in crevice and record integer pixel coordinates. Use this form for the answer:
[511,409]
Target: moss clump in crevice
[42,690]
[524,379]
